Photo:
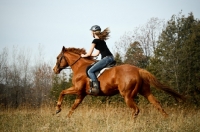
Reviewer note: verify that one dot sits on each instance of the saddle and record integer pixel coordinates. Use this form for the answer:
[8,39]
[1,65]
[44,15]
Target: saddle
[99,72]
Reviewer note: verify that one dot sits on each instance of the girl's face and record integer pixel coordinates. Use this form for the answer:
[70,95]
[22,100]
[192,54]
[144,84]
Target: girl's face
[92,34]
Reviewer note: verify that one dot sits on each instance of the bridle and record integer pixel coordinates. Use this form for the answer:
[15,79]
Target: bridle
[58,65]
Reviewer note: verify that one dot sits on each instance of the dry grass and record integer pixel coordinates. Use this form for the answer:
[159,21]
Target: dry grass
[101,118]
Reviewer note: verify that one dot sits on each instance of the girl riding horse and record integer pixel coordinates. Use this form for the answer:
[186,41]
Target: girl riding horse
[101,48]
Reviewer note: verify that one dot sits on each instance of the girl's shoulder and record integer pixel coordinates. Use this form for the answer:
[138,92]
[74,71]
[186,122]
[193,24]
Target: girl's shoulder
[96,40]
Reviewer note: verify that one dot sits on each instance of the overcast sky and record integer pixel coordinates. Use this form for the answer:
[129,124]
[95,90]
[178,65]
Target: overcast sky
[56,23]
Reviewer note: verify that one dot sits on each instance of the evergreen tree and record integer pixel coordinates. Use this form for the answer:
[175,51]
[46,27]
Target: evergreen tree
[134,55]
[60,82]
[177,57]
[118,59]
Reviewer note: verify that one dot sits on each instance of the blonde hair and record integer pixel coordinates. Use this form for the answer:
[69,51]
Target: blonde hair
[103,35]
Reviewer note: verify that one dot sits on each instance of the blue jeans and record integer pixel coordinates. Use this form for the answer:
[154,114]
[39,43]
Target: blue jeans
[98,66]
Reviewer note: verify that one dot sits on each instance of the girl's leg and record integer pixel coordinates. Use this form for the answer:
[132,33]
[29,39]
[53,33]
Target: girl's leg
[95,85]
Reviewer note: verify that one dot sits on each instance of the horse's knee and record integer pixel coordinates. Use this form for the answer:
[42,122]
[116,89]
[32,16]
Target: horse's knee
[62,92]
[59,103]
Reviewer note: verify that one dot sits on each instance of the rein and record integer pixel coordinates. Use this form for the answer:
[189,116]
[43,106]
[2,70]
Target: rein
[71,64]
[66,60]
[75,61]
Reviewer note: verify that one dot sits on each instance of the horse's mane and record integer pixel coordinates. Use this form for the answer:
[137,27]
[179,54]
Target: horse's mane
[78,51]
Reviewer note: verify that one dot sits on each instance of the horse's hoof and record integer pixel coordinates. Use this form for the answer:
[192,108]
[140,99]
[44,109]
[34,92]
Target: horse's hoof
[58,111]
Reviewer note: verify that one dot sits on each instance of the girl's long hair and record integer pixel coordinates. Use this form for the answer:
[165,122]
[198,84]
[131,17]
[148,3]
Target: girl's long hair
[104,35]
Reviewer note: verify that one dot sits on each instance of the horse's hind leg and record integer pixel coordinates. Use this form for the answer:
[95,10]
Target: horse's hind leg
[156,103]
[78,100]
[128,93]
[131,103]
[145,91]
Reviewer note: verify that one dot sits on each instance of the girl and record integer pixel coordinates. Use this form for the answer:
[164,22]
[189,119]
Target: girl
[106,56]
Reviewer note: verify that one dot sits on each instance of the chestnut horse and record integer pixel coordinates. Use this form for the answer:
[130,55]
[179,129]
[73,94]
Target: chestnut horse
[128,80]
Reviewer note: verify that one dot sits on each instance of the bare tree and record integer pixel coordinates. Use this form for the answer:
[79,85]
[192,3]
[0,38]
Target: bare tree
[42,79]
[3,66]
[122,46]
[3,78]
[146,35]
[42,83]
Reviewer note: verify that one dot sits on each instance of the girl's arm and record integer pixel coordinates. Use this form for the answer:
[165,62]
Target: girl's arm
[96,53]
[90,52]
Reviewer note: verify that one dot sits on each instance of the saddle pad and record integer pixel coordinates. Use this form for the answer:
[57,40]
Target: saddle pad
[97,73]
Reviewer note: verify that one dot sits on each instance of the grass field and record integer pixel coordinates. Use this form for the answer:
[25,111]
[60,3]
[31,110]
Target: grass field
[100,118]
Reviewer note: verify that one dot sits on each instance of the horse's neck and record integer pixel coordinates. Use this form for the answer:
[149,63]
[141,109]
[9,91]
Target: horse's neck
[82,63]
[89,62]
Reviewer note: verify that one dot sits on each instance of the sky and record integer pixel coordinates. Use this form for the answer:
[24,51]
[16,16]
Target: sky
[48,25]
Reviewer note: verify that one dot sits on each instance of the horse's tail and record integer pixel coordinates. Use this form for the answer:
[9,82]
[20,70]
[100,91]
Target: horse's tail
[151,80]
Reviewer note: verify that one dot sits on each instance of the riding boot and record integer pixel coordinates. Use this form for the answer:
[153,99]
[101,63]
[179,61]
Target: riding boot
[94,87]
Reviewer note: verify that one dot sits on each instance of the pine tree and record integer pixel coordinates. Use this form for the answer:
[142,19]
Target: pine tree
[60,82]
[118,59]
[176,58]
[135,56]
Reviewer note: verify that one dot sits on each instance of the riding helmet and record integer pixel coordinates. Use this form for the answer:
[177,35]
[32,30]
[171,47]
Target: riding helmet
[95,28]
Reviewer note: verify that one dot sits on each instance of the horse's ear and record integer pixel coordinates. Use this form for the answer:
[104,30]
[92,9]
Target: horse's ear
[63,49]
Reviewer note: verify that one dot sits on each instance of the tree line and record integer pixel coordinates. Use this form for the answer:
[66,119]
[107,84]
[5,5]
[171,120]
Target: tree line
[170,50]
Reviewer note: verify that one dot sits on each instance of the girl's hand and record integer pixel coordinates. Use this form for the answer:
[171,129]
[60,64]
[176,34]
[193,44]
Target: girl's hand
[84,55]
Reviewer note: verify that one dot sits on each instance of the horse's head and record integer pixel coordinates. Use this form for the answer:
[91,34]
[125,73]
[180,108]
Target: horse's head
[70,57]
[61,62]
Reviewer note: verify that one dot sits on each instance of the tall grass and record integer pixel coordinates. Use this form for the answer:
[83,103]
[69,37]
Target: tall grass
[99,118]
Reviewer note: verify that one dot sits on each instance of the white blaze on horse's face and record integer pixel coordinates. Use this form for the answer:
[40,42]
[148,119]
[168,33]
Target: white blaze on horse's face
[55,69]
[60,64]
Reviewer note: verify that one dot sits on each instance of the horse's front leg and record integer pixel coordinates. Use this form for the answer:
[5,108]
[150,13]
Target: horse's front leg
[70,90]
[77,101]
